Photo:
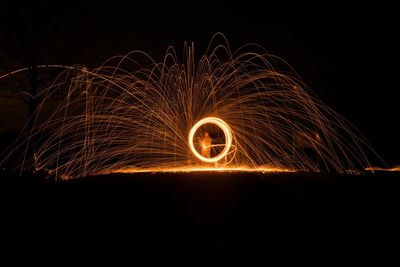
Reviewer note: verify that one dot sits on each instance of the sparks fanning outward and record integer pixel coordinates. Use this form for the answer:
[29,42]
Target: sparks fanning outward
[127,117]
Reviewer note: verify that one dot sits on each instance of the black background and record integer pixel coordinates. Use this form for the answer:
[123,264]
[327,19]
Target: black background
[347,56]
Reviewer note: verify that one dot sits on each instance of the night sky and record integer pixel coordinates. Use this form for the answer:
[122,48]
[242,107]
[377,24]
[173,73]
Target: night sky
[349,62]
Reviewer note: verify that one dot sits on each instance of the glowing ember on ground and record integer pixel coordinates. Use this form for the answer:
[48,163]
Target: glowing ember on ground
[394,169]
[186,169]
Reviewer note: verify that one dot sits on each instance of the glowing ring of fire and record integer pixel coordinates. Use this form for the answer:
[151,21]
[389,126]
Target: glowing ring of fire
[224,127]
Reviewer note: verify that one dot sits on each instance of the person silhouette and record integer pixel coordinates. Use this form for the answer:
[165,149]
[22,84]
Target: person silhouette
[206,145]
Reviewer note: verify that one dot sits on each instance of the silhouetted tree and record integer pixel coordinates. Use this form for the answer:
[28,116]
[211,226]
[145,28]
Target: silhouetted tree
[33,34]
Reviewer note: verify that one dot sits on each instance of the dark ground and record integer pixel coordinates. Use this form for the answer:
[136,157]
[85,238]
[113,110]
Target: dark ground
[301,215]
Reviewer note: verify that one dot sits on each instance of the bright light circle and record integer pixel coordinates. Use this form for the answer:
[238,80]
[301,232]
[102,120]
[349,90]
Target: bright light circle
[224,127]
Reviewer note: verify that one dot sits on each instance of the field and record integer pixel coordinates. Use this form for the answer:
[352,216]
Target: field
[211,211]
